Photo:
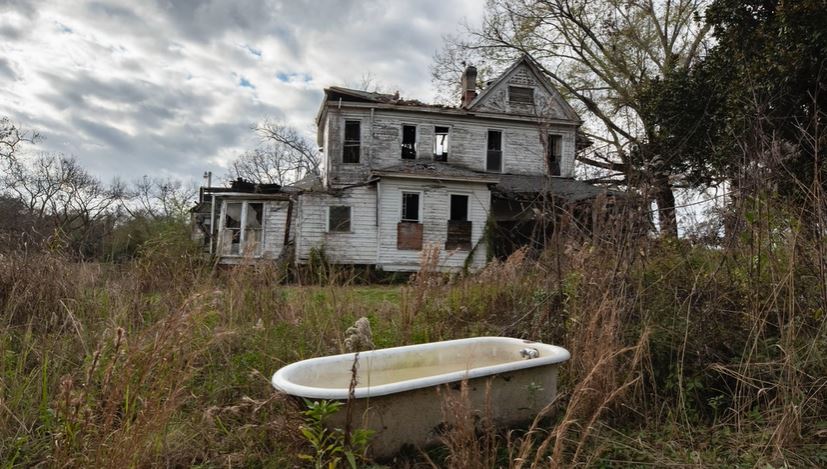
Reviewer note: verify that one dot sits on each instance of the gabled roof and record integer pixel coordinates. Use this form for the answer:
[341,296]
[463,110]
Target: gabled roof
[434,170]
[541,78]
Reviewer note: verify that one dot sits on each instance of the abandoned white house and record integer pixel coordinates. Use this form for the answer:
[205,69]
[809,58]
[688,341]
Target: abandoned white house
[397,176]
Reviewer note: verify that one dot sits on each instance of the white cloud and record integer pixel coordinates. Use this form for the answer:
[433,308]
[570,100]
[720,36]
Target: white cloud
[172,87]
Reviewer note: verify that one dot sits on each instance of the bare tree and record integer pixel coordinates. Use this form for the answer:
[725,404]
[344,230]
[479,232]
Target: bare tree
[159,199]
[284,156]
[11,137]
[601,54]
[61,197]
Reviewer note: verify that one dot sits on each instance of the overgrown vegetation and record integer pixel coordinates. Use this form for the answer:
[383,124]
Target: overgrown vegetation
[682,353]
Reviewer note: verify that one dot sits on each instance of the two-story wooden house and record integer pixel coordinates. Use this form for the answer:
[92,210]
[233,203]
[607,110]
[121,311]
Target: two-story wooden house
[398,176]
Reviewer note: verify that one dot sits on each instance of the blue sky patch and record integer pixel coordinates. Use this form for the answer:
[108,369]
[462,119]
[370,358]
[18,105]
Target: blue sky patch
[288,77]
[254,51]
[63,28]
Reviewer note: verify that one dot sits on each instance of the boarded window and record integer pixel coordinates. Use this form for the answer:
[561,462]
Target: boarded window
[459,207]
[441,143]
[409,142]
[494,155]
[459,235]
[338,219]
[353,141]
[554,153]
[408,235]
[410,206]
[520,95]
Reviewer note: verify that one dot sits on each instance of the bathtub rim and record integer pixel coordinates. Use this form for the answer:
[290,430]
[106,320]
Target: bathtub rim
[555,355]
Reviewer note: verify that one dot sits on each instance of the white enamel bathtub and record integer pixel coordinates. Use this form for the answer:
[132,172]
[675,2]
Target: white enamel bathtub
[396,387]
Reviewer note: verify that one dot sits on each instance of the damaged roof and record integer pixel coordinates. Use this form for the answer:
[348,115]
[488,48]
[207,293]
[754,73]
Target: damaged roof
[434,170]
[566,188]
[347,94]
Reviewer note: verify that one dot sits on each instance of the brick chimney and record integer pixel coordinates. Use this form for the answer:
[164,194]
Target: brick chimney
[469,85]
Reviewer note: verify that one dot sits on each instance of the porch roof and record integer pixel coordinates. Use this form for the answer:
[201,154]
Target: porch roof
[566,188]
[434,170]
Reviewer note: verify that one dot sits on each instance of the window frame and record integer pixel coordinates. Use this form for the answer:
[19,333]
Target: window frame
[349,219]
[501,150]
[554,142]
[447,147]
[402,141]
[242,228]
[346,145]
[420,209]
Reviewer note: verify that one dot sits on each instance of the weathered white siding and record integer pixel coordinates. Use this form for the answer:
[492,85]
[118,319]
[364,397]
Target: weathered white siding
[435,214]
[275,222]
[523,148]
[356,247]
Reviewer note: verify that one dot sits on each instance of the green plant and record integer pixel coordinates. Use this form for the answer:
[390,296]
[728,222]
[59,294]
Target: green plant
[331,445]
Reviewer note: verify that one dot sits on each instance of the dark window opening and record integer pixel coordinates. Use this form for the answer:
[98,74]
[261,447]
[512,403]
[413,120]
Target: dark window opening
[352,144]
[409,142]
[339,218]
[410,206]
[459,228]
[441,143]
[459,207]
[554,153]
[520,95]
[494,156]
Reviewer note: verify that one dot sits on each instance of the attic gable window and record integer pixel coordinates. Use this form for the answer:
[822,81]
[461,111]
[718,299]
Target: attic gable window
[352,143]
[408,142]
[520,95]
[441,143]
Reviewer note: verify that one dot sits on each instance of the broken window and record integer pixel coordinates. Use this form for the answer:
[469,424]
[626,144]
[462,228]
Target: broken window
[554,153]
[353,141]
[252,227]
[243,224]
[232,223]
[338,219]
[494,155]
[459,228]
[520,95]
[408,142]
[410,206]
[441,143]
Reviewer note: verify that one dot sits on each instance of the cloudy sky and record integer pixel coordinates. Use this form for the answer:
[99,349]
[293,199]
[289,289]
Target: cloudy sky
[171,87]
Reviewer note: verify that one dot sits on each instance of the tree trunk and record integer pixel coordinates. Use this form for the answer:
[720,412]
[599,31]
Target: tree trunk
[665,199]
